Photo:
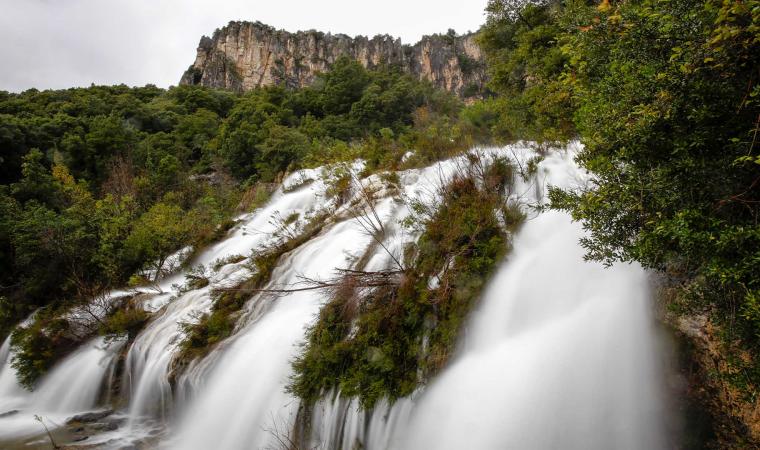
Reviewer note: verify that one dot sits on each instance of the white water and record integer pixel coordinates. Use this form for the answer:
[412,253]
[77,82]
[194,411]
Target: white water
[149,358]
[559,353]
[248,382]
[73,386]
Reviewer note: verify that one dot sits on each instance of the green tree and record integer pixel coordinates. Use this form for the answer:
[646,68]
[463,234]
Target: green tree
[282,148]
[157,234]
[668,107]
[12,147]
[89,149]
[115,218]
[36,183]
[246,128]
[196,131]
[342,86]
[526,62]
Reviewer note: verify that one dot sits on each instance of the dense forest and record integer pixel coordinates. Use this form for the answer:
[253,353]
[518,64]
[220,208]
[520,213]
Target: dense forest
[100,186]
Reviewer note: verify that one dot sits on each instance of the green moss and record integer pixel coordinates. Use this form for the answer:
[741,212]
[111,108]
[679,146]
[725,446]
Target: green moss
[221,262]
[214,326]
[390,341]
[196,282]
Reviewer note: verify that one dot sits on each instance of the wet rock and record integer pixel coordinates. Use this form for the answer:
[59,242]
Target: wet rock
[9,413]
[110,425]
[693,326]
[716,412]
[90,416]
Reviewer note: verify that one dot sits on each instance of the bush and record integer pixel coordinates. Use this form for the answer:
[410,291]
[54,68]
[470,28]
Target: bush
[38,346]
[125,322]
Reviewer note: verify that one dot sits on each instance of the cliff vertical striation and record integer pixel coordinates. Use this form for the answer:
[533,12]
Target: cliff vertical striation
[245,55]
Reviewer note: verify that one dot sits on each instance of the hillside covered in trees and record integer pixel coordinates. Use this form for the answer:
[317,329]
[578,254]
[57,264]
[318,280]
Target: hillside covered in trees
[100,187]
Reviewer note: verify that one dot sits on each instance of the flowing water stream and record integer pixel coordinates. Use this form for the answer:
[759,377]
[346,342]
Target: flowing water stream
[559,353]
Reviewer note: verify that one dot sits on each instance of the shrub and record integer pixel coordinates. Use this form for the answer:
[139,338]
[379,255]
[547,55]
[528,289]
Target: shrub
[38,346]
[125,322]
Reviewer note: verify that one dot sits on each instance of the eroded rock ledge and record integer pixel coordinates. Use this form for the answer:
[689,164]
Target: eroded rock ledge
[245,55]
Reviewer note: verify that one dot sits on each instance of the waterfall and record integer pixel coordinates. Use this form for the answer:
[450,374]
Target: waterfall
[73,386]
[149,358]
[557,353]
[84,372]
[11,392]
[560,354]
[248,382]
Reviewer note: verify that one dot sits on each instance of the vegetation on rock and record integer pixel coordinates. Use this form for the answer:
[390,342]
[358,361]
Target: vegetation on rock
[52,333]
[381,336]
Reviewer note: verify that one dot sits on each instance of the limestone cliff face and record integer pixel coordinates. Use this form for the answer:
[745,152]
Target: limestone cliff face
[245,55]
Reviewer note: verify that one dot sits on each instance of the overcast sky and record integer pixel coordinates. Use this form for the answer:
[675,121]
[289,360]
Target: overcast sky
[63,43]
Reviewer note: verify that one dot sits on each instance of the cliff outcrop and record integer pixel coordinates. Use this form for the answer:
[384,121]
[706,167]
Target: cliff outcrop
[244,55]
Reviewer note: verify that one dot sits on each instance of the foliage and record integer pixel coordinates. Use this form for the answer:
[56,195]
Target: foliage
[675,155]
[93,182]
[386,342]
[126,321]
[156,234]
[521,41]
[272,130]
[664,96]
[669,115]
[39,345]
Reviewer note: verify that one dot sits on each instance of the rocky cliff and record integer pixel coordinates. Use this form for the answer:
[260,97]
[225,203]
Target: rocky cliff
[245,55]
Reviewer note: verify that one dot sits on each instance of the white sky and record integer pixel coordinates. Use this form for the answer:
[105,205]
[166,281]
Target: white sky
[64,43]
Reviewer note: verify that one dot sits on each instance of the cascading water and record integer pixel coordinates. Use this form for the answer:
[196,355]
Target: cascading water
[71,387]
[559,353]
[148,361]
